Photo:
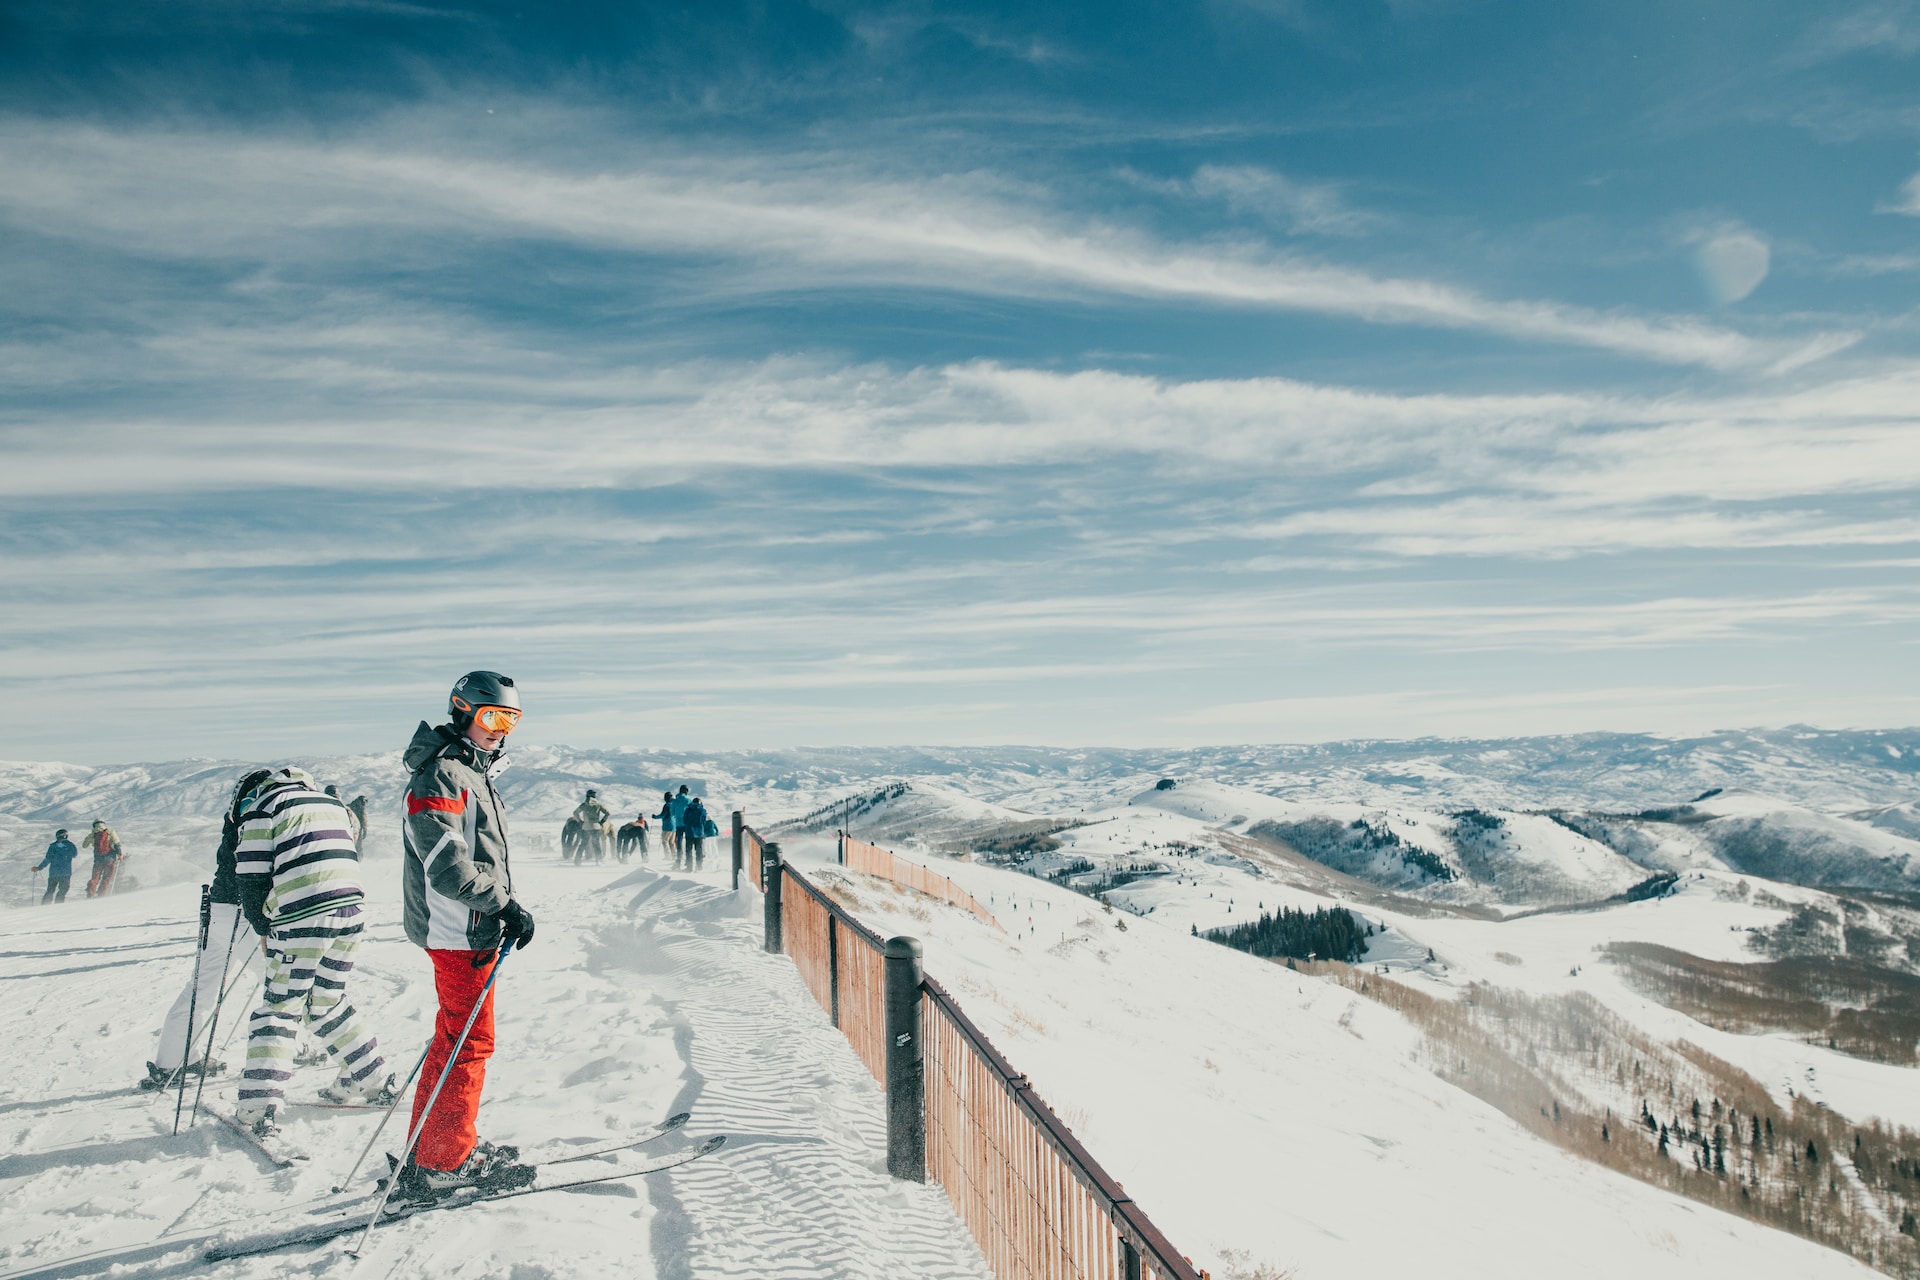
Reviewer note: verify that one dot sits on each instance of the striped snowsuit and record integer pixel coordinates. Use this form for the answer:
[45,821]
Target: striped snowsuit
[299,841]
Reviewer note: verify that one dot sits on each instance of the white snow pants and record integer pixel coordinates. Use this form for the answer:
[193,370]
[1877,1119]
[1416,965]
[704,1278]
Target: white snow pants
[231,941]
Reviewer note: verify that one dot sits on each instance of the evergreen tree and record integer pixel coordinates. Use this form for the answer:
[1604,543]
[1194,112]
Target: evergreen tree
[1813,1156]
[1329,933]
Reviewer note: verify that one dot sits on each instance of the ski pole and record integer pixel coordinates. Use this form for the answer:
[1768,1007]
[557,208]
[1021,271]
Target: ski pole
[426,1113]
[193,1001]
[419,1062]
[213,1023]
[244,966]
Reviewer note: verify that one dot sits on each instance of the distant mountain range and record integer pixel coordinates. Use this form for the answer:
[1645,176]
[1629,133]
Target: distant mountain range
[1797,804]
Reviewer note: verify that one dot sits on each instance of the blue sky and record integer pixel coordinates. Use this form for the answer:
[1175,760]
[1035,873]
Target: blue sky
[848,373]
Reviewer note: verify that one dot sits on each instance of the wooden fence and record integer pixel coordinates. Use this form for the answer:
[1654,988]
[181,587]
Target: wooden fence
[1036,1201]
[751,849]
[857,855]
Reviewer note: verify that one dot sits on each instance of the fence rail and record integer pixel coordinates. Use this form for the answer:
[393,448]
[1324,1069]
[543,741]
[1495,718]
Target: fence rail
[1035,1200]
[857,855]
[753,848]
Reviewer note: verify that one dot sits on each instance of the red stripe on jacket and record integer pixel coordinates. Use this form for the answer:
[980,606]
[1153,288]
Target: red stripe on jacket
[445,804]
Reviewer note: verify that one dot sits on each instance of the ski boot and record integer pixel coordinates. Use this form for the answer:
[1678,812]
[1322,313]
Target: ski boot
[373,1093]
[488,1170]
[156,1079]
[262,1121]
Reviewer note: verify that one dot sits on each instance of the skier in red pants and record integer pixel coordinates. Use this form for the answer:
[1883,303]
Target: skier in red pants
[460,908]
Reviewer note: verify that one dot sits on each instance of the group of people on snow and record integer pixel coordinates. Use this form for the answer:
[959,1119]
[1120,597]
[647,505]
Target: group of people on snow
[108,854]
[58,860]
[685,826]
[288,880]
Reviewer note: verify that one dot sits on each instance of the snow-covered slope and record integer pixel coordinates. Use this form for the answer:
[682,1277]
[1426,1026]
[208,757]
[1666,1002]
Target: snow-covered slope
[911,810]
[642,996]
[1744,831]
[1474,856]
[1174,1057]
[1278,1120]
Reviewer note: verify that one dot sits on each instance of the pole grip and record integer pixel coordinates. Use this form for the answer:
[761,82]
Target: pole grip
[206,918]
[906,1062]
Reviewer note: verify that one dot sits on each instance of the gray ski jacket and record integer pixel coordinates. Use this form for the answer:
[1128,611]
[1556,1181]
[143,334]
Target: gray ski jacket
[454,877]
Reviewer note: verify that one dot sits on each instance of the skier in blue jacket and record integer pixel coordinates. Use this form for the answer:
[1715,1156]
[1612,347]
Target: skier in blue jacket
[693,834]
[669,826]
[57,862]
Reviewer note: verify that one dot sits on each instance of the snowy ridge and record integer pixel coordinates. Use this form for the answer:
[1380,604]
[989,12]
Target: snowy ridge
[167,813]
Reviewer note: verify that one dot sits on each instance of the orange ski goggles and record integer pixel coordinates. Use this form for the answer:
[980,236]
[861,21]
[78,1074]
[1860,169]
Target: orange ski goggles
[496,719]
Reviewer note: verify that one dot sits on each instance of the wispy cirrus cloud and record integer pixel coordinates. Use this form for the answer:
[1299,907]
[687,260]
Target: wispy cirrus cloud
[764,224]
[1908,200]
[1298,206]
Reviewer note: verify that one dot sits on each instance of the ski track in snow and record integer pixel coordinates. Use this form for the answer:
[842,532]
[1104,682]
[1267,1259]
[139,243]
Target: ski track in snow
[635,1001]
[805,1177]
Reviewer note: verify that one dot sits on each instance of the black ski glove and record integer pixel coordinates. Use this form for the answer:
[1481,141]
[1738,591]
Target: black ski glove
[516,925]
[253,902]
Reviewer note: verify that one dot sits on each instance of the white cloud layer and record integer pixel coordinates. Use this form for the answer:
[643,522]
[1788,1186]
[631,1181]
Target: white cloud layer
[776,223]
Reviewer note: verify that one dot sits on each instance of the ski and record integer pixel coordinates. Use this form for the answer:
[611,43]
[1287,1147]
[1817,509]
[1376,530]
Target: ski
[344,1224]
[282,1153]
[660,1130]
[332,1205]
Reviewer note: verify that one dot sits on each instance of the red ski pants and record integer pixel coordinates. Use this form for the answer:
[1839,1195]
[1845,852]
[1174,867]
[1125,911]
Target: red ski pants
[449,1136]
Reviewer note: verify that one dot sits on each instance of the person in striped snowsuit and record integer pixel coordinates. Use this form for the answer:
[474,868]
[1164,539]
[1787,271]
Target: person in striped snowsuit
[299,877]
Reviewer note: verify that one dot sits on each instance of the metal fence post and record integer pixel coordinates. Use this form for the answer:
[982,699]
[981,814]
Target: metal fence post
[739,843]
[833,967]
[906,1063]
[1129,1260]
[770,877]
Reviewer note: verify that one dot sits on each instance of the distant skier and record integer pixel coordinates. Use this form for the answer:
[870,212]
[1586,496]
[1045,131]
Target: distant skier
[107,854]
[228,935]
[590,811]
[590,822]
[460,907]
[669,829]
[633,837]
[57,862]
[693,834]
[677,801]
[299,886]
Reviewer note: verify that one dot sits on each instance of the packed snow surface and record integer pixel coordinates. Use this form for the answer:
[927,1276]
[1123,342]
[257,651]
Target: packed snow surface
[643,995]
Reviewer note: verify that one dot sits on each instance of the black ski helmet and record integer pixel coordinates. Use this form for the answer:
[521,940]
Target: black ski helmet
[478,689]
[591,793]
[249,782]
